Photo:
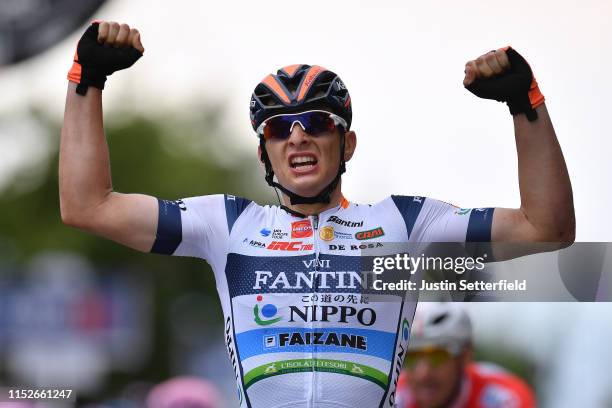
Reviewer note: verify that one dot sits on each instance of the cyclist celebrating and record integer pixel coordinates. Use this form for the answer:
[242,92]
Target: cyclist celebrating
[299,333]
[439,371]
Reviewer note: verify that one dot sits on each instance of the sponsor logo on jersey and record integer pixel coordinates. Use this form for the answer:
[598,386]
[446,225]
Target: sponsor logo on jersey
[254,243]
[239,396]
[181,205]
[269,341]
[322,339]
[266,315]
[301,229]
[355,247]
[340,314]
[257,244]
[399,358]
[345,223]
[462,211]
[231,351]
[327,233]
[342,235]
[317,263]
[289,246]
[279,234]
[265,280]
[370,234]
[276,233]
[405,330]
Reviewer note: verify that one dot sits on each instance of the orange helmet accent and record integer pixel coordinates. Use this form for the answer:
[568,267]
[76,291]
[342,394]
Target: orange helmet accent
[291,69]
[277,88]
[309,78]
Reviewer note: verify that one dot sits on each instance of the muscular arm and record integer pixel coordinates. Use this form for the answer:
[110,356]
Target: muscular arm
[87,200]
[546,213]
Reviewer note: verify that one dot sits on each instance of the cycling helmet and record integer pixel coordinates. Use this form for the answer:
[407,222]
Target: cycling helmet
[440,325]
[297,88]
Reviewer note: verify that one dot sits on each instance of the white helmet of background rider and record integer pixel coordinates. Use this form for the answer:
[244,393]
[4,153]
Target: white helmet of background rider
[440,325]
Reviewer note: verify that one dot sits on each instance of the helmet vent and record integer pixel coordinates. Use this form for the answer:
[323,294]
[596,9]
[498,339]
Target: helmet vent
[292,83]
[265,96]
[322,84]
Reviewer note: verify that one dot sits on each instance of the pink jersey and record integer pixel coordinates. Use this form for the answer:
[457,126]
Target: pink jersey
[485,386]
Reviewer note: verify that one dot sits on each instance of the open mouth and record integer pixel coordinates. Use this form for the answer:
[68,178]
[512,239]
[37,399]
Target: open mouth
[303,162]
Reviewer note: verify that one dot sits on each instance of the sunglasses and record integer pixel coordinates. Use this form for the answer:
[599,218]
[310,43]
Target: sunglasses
[435,357]
[313,122]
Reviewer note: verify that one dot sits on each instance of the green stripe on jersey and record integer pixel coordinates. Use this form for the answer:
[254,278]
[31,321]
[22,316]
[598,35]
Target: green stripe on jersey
[312,364]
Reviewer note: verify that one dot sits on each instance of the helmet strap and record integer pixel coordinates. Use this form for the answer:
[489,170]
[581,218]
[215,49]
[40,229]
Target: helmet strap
[323,197]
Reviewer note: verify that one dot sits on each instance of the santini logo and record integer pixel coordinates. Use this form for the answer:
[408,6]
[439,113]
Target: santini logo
[340,221]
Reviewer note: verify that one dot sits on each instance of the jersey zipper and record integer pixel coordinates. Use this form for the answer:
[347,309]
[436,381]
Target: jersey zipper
[315,227]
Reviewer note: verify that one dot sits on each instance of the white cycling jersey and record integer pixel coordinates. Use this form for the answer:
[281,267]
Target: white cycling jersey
[299,330]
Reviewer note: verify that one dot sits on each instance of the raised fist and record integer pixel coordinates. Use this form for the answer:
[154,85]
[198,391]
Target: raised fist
[118,35]
[104,48]
[505,76]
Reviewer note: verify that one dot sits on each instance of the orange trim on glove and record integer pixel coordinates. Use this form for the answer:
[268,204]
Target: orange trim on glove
[535,96]
[74,75]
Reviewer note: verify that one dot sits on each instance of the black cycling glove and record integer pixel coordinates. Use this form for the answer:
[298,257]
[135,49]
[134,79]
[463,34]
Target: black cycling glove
[93,61]
[517,87]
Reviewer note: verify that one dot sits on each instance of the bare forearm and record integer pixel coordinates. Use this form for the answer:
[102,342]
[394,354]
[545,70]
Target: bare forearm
[545,188]
[86,197]
[84,169]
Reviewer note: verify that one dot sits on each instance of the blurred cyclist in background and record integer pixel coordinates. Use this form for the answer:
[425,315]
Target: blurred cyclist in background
[439,371]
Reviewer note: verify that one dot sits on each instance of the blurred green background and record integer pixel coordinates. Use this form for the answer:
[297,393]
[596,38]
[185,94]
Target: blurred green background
[165,157]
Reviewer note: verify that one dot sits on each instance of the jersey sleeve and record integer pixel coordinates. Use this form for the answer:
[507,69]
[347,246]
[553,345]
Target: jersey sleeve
[429,220]
[197,226]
